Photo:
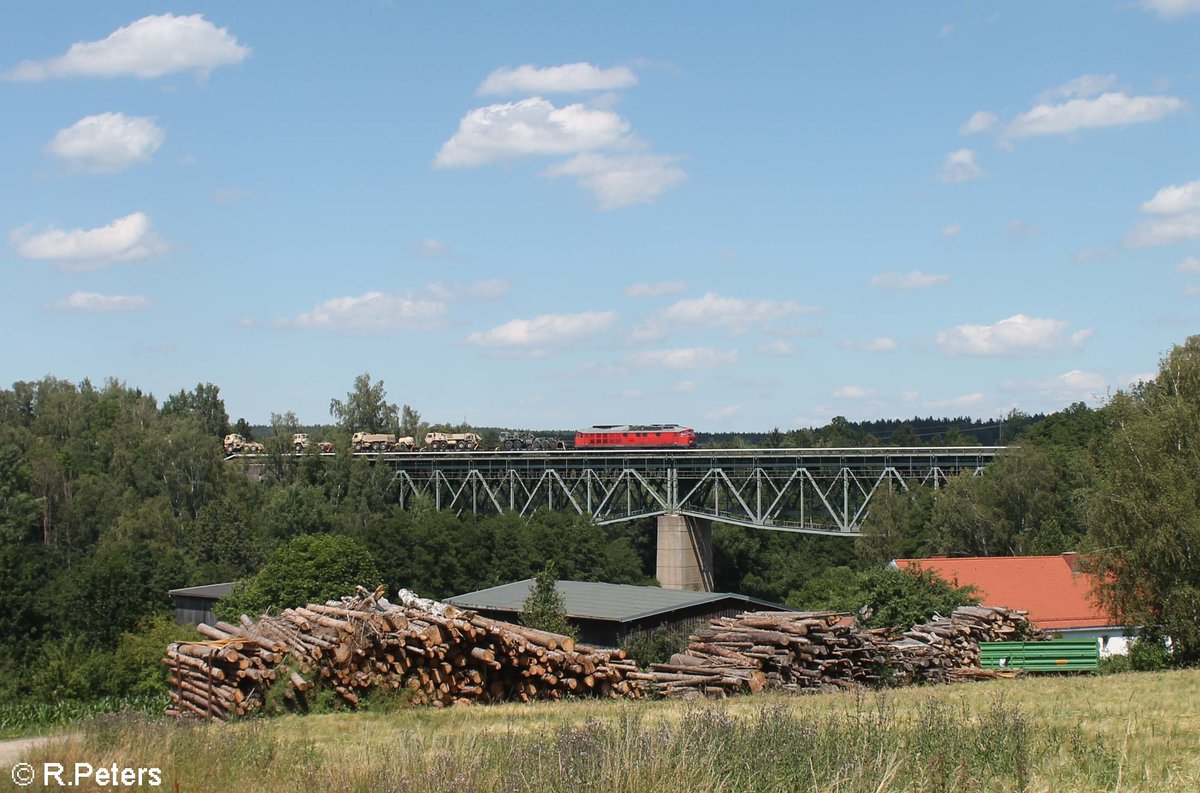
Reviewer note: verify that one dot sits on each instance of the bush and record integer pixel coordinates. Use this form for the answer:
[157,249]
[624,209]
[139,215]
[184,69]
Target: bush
[1148,654]
[655,646]
[312,568]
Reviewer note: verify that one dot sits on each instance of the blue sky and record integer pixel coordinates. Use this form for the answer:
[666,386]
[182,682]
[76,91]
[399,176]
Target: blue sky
[532,215]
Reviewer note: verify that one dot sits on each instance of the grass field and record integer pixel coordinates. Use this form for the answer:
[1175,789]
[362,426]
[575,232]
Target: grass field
[1130,732]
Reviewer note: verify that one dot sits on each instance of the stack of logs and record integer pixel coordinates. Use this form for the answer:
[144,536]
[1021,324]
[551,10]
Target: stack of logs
[822,651]
[440,654]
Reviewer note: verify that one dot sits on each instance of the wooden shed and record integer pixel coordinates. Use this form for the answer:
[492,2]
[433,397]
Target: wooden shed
[607,613]
[194,604]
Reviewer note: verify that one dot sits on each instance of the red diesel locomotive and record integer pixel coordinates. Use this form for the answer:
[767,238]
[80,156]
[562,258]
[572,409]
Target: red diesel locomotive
[635,436]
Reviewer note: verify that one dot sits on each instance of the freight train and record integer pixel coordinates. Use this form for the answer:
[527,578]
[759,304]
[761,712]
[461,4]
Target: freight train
[601,436]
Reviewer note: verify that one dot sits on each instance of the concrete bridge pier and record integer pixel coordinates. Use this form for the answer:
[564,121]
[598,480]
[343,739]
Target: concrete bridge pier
[685,553]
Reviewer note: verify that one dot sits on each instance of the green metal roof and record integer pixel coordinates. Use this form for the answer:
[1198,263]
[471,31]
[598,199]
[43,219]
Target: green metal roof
[208,591]
[597,601]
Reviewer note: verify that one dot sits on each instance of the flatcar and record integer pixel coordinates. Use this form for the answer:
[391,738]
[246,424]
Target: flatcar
[635,436]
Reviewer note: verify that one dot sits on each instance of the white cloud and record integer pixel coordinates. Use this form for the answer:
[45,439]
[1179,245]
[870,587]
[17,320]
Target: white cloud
[945,31]
[1172,9]
[1189,265]
[1083,86]
[1114,109]
[684,387]
[914,280]
[548,330]
[108,142]
[1175,216]
[1174,199]
[964,401]
[1191,290]
[853,392]
[655,290]
[778,347]
[1165,231]
[125,238]
[631,393]
[91,301]
[979,122]
[715,311]
[960,166]
[1144,377]
[622,180]
[723,413]
[150,47]
[570,78]
[953,230]
[878,344]
[373,312]
[527,128]
[1016,335]
[1073,386]
[683,358]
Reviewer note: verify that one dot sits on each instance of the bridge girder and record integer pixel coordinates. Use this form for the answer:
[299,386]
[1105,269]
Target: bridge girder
[812,491]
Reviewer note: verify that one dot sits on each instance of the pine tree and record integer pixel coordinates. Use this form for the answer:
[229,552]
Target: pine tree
[545,609]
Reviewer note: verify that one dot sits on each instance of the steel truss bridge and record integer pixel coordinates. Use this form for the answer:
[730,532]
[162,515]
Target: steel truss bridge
[813,491]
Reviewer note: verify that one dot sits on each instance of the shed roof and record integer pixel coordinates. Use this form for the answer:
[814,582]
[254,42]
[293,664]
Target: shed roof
[598,601]
[1051,588]
[210,591]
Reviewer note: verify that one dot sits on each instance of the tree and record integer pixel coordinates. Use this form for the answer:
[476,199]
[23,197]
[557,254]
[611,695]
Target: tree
[1001,512]
[545,608]
[899,598]
[904,435]
[312,568]
[896,525]
[242,427]
[1143,510]
[886,598]
[204,404]
[411,424]
[366,408]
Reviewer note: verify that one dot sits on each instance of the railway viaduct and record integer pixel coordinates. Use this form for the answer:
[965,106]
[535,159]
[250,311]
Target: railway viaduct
[812,491]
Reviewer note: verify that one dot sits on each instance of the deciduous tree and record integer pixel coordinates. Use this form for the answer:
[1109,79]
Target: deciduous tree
[366,408]
[1143,510]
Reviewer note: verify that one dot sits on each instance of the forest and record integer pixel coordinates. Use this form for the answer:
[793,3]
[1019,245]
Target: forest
[110,498]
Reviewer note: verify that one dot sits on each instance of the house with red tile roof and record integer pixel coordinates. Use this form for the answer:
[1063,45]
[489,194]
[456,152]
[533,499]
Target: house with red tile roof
[1055,592]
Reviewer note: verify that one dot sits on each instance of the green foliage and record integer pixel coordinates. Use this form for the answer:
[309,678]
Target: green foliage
[39,716]
[366,408]
[1149,655]
[887,598]
[655,646]
[1144,506]
[894,598]
[137,667]
[897,526]
[769,564]
[545,608]
[204,405]
[439,554]
[1002,512]
[311,568]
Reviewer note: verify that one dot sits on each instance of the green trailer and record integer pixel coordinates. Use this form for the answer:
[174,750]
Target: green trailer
[1061,655]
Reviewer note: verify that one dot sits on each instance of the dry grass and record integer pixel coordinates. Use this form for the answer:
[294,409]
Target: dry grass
[1132,732]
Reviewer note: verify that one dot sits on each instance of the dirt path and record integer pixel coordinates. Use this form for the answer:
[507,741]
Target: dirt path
[12,750]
